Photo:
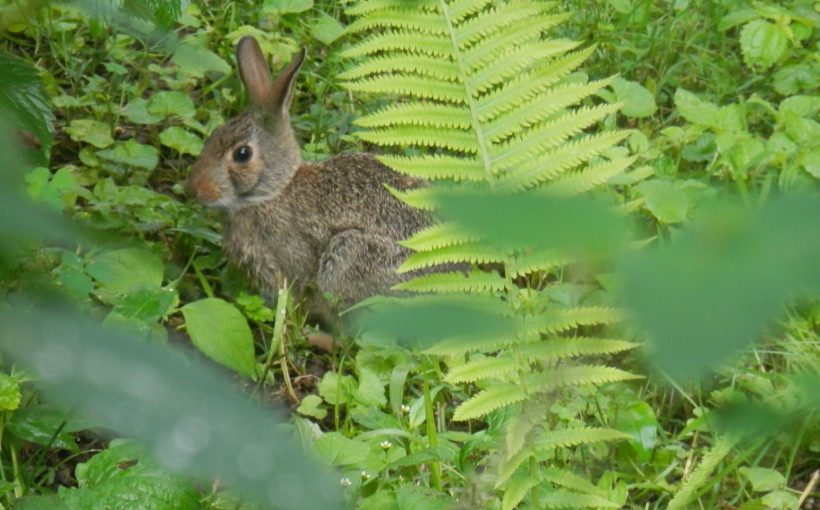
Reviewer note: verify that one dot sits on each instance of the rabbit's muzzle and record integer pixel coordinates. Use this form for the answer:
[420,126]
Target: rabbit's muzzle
[202,190]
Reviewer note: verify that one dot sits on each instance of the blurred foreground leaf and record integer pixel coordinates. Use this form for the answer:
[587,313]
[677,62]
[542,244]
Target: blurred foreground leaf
[23,103]
[713,291]
[189,418]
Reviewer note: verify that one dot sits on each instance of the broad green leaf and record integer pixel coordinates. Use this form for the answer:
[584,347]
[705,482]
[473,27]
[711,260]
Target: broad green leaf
[797,78]
[621,6]
[9,393]
[336,389]
[335,449]
[57,191]
[638,420]
[181,140]
[638,101]
[196,60]
[90,131]
[167,103]
[763,479]
[137,111]
[287,6]
[132,153]
[24,102]
[191,418]
[149,303]
[220,331]
[370,391]
[413,497]
[780,500]
[668,203]
[119,271]
[804,106]
[326,28]
[44,425]
[311,406]
[763,43]
[694,109]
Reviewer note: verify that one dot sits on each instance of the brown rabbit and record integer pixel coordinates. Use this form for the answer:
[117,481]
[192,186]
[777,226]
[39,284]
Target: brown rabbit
[330,227]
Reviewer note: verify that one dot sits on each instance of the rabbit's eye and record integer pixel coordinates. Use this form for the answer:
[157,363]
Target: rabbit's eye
[242,154]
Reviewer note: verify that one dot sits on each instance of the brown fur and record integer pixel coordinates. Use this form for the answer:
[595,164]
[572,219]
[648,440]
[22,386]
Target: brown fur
[329,227]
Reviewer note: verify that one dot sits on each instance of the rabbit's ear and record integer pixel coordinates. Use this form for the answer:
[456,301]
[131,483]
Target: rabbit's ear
[254,71]
[282,89]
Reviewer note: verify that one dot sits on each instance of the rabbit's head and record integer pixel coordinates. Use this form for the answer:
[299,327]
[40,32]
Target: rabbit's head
[253,156]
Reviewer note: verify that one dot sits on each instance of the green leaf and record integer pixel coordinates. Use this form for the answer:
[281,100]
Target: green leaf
[119,271]
[326,28]
[638,101]
[335,449]
[287,6]
[168,103]
[694,109]
[9,393]
[196,60]
[24,101]
[132,153]
[370,391]
[780,500]
[763,43]
[148,304]
[639,421]
[45,426]
[90,131]
[137,111]
[414,497]
[181,140]
[796,78]
[336,389]
[763,479]
[57,191]
[311,406]
[665,201]
[219,330]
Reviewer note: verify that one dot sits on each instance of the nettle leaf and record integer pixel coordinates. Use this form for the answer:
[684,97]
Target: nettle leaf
[23,100]
[181,140]
[763,43]
[668,203]
[132,153]
[638,101]
[171,102]
[90,131]
[326,28]
[219,330]
[121,270]
[197,61]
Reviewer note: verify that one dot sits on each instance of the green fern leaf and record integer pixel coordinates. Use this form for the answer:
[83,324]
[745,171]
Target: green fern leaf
[564,499]
[371,6]
[570,480]
[460,9]
[438,236]
[421,87]
[489,22]
[437,167]
[425,136]
[590,178]
[535,260]
[517,489]
[558,320]
[418,21]
[565,348]
[487,401]
[417,115]
[582,375]
[566,438]
[407,42]
[490,367]
[476,281]
[433,67]
[510,465]
[474,253]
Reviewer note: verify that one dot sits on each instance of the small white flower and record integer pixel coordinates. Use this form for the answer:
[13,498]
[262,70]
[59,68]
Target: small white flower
[386,445]
[365,475]
[405,408]
[345,482]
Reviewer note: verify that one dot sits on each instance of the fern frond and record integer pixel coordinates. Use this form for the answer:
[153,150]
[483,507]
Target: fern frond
[419,21]
[485,368]
[582,375]
[489,22]
[525,31]
[421,87]
[437,167]
[438,236]
[536,260]
[441,69]
[475,281]
[487,401]
[563,499]
[511,464]
[417,115]
[591,177]
[517,489]
[565,348]
[369,6]
[690,486]
[460,9]
[558,320]
[424,136]
[565,438]
[570,480]
[473,253]
[408,42]
[553,163]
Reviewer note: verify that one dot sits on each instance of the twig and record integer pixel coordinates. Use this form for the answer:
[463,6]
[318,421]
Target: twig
[809,488]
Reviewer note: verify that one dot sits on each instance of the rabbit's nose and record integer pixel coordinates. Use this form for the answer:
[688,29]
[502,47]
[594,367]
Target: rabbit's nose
[203,190]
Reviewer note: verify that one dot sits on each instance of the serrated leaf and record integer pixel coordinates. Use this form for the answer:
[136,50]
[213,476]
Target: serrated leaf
[137,111]
[167,103]
[337,389]
[487,401]
[516,490]
[326,28]
[24,102]
[338,450]
[763,479]
[763,43]
[220,331]
[694,109]
[132,153]
[637,101]
[668,203]
[370,390]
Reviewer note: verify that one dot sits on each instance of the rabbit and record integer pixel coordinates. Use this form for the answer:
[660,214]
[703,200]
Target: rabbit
[330,227]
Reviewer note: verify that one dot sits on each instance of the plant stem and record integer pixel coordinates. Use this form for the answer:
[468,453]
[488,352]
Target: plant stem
[432,436]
